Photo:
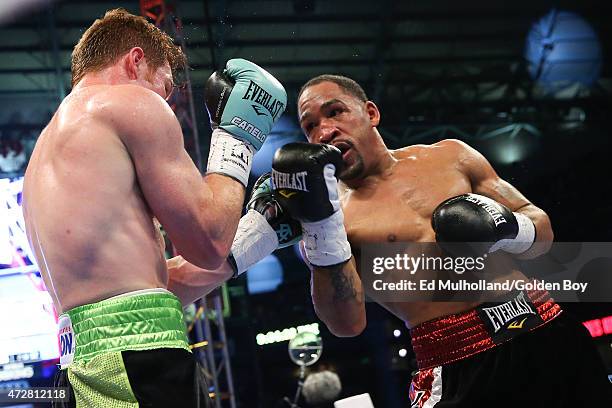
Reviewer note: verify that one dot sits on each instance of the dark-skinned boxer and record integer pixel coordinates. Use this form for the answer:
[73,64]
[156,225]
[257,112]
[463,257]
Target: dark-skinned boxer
[445,191]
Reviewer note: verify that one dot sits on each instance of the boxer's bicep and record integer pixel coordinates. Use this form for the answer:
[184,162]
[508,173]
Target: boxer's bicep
[171,184]
[485,180]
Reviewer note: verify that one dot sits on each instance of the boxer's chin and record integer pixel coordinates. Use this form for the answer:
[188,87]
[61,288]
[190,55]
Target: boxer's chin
[354,169]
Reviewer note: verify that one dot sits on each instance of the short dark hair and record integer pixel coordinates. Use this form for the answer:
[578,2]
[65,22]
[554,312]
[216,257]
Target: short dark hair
[346,84]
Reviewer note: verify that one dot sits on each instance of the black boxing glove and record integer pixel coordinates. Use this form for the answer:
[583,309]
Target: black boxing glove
[288,230]
[304,182]
[264,228]
[476,218]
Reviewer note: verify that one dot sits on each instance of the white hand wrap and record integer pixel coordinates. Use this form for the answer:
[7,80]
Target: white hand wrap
[230,156]
[523,240]
[254,240]
[325,241]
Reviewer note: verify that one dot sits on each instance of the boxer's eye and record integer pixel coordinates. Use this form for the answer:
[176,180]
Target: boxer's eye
[308,128]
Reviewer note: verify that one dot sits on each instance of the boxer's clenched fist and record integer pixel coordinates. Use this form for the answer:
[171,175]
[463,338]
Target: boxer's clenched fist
[304,181]
[476,218]
[243,102]
[288,230]
[265,228]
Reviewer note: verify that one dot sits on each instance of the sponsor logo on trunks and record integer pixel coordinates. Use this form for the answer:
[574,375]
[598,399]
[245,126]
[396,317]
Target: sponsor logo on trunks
[498,218]
[67,341]
[516,325]
[260,96]
[249,128]
[506,312]
[293,181]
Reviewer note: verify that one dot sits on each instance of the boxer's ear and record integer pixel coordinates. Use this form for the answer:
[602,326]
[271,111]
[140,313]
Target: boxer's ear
[373,113]
[134,62]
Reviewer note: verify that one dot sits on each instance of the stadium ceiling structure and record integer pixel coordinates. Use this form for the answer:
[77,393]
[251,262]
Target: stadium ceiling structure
[459,65]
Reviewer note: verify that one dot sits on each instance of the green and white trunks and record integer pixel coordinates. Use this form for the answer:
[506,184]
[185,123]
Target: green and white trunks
[130,350]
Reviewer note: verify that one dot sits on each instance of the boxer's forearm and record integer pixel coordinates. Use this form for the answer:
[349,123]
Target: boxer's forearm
[337,296]
[220,214]
[189,282]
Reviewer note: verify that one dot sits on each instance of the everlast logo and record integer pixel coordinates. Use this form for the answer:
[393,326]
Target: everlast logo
[257,94]
[490,208]
[294,181]
[502,314]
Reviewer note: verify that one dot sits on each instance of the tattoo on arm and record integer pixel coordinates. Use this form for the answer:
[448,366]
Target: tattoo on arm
[343,285]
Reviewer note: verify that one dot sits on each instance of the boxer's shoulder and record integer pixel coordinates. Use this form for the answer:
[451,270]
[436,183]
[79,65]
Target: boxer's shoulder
[451,144]
[446,151]
[446,146]
[455,149]
[130,110]
[451,148]
[117,100]
[130,98]
[409,152]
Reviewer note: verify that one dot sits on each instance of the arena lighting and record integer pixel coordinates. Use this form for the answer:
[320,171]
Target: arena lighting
[397,333]
[11,9]
[402,352]
[278,336]
[563,49]
[599,327]
[511,143]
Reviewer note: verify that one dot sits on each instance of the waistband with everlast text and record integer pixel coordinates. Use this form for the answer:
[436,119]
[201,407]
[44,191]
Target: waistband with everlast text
[459,336]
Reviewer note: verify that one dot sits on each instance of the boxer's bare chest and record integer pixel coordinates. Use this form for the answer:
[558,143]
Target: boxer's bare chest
[398,207]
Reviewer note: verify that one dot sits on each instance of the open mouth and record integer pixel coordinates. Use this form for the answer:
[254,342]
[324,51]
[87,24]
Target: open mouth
[345,149]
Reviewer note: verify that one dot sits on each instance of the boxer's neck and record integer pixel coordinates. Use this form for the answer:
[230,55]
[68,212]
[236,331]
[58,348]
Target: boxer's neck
[117,74]
[378,163]
[112,75]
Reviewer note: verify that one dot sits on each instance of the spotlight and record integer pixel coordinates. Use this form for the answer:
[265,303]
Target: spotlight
[563,48]
[403,352]
[397,333]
